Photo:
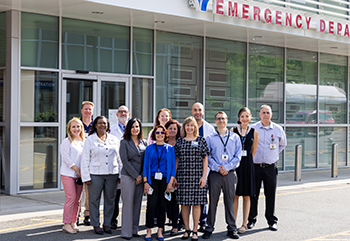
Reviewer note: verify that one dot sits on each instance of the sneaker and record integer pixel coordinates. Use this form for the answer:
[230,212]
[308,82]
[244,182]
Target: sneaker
[232,234]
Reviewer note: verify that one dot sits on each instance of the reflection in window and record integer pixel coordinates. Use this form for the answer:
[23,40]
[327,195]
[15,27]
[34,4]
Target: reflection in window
[266,80]
[142,99]
[225,78]
[179,73]
[333,87]
[2,95]
[95,46]
[39,40]
[335,9]
[301,87]
[327,137]
[38,158]
[112,96]
[3,172]
[39,96]
[142,51]
[2,39]
[306,137]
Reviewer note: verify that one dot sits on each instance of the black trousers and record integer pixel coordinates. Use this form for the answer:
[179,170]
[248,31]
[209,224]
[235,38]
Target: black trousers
[268,176]
[156,201]
[116,207]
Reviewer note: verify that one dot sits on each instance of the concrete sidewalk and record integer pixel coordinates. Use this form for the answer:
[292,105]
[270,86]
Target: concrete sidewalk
[15,207]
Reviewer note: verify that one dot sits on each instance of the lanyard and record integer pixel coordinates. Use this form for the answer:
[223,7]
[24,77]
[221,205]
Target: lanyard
[225,144]
[245,136]
[159,158]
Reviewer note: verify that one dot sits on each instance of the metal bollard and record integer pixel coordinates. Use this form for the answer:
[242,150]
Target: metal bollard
[297,166]
[334,160]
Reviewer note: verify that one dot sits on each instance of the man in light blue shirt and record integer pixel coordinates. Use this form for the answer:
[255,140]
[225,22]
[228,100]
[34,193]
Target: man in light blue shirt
[225,155]
[272,141]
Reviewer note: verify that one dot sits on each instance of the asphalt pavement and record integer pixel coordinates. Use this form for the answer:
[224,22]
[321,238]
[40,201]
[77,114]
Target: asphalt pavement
[315,208]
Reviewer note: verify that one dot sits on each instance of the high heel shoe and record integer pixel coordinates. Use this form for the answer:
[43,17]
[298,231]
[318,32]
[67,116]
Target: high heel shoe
[188,234]
[68,231]
[194,233]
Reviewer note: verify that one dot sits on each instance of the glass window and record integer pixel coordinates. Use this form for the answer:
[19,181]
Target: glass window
[38,158]
[39,96]
[3,172]
[306,137]
[142,99]
[2,95]
[142,51]
[333,86]
[179,73]
[2,39]
[39,40]
[112,96]
[305,4]
[301,87]
[266,80]
[327,137]
[93,46]
[343,11]
[225,78]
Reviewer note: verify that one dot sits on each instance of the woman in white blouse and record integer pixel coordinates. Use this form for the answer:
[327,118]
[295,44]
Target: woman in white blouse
[71,150]
[100,168]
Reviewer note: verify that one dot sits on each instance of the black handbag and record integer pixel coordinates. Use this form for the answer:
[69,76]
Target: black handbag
[79,181]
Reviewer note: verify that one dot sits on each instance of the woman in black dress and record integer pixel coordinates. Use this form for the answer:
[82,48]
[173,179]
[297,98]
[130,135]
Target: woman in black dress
[245,171]
[191,153]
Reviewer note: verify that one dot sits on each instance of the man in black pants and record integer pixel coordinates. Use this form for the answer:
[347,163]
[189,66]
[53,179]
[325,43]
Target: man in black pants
[272,141]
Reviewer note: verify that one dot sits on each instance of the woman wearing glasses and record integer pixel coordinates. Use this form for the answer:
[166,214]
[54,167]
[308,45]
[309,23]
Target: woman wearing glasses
[158,176]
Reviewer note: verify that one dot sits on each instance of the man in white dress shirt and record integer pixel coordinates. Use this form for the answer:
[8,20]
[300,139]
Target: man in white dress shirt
[123,116]
[117,130]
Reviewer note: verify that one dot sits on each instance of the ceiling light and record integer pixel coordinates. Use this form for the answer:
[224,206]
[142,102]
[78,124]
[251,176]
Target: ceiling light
[333,47]
[97,12]
[257,37]
[159,21]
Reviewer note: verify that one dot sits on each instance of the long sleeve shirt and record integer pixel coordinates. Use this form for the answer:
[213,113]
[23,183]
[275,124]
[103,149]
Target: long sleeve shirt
[71,155]
[216,148]
[100,158]
[272,134]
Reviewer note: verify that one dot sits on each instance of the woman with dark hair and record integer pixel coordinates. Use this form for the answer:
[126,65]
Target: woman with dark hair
[132,149]
[162,117]
[245,172]
[174,130]
[158,176]
[100,171]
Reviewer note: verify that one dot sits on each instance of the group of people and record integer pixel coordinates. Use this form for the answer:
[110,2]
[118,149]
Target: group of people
[176,166]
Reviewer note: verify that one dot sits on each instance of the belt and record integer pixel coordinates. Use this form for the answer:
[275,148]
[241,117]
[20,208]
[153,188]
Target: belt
[263,165]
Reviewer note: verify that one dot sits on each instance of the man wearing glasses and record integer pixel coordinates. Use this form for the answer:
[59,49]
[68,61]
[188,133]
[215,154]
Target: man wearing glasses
[123,115]
[225,155]
[117,130]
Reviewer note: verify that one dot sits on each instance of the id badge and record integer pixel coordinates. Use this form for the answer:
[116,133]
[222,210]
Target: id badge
[272,146]
[244,152]
[224,157]
[158,176]
[195,143]
[142,147]
[167,196]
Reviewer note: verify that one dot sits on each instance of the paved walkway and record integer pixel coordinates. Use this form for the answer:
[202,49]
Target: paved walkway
[15,207]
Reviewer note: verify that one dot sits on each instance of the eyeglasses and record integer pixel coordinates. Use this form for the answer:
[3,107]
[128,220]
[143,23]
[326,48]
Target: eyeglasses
[160,132]
[123,111]
[220,118]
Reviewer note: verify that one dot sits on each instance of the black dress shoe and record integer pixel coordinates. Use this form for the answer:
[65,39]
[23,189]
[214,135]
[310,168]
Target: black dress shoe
[98,230]
[114,225]
[135,235]
[87,220]
[206,235]
[232,234]
[273,227]
[251,224]
[127,238]
[173,233]
[107,229]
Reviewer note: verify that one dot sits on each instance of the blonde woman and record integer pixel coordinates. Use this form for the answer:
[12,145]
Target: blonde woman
[191,152]
[71,151]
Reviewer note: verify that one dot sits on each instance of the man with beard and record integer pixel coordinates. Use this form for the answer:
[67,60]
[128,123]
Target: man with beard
[117,130]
